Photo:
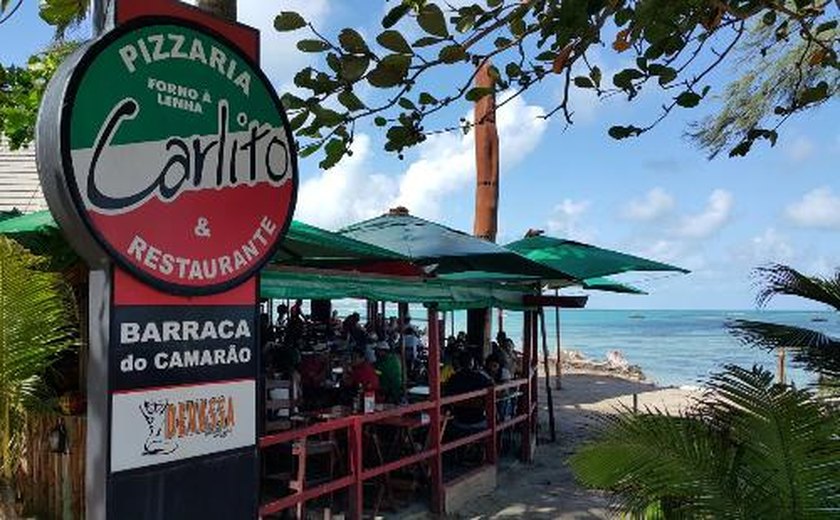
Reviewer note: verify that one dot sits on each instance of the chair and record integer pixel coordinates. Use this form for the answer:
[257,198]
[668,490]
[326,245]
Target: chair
[281,402]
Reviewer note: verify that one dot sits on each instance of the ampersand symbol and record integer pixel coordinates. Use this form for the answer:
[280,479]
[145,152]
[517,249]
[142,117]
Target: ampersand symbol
[201,228]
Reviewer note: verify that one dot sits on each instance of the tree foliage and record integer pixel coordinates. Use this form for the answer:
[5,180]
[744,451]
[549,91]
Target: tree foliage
[37,323]
[787,47]
[673,46]
[814,350]
[21,90]
[748,449]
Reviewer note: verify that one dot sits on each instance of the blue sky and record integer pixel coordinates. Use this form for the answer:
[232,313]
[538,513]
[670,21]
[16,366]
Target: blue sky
[656,196]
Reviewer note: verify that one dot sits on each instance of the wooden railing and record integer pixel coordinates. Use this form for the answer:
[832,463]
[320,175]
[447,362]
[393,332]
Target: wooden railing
[353,427]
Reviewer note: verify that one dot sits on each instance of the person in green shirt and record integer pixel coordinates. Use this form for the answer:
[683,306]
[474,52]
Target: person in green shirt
[389,368]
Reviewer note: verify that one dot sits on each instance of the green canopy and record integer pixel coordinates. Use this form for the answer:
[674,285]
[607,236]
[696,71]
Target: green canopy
[606,284]
[445,250]
[303,245]
[291,283]
[584,261]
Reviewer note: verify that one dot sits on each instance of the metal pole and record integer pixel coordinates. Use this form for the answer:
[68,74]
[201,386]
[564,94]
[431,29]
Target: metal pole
[558,383]
[551,426]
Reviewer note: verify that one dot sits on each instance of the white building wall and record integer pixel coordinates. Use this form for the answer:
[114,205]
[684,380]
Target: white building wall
[19,185]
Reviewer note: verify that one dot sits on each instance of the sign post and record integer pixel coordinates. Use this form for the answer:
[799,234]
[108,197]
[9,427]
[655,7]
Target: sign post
[167,159]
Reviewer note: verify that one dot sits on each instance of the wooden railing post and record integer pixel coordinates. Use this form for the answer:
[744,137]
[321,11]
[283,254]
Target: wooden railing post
[491,449]
[356,489]
[436,463]
[525,454]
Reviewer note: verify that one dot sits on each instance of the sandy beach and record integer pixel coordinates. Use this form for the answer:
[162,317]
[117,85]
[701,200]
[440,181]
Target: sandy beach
[546,489]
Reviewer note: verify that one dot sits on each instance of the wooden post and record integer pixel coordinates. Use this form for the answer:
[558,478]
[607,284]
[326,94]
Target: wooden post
[402,312]
[781,366]
[551,427]
[436,462]
[526,373]
[558,383]
[356,489]
[501,320]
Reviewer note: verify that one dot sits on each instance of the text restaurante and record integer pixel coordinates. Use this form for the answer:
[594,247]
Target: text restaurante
[208,268]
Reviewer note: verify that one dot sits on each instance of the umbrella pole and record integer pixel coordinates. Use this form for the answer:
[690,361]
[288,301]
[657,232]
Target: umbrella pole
[551,427]
[558,383]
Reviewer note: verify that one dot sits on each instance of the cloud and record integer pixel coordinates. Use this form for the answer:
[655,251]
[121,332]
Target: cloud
[445,165]
[447,162]
[710,220]
[565,220]
[655,204]
[819,208]
[345,193]
[769,246]
[279,55]
[800,149]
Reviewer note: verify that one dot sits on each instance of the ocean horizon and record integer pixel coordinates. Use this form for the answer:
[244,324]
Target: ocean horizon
[673,347]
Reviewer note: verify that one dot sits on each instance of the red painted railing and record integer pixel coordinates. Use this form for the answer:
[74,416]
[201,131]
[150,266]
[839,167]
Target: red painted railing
[353,426]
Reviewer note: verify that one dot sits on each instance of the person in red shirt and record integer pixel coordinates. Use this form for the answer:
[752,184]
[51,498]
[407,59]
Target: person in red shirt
[361,373]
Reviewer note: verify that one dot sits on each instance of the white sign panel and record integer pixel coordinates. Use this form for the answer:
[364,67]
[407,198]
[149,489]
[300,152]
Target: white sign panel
[152,427]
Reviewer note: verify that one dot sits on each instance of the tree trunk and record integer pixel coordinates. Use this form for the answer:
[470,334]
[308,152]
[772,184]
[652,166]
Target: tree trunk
[486,193]
[222,8]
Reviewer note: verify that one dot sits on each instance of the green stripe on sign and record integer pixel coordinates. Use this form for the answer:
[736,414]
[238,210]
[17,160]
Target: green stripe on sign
[177,76]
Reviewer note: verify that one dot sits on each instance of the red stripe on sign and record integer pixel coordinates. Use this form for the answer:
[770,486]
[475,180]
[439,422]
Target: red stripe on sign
[130,291]
[185,385]
[245,37]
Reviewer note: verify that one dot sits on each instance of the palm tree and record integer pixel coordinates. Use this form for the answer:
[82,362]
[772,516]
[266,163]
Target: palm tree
[37,323]
[748,449]
[816,351]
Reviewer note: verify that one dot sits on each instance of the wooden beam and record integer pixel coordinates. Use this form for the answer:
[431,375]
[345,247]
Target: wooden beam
[563,302]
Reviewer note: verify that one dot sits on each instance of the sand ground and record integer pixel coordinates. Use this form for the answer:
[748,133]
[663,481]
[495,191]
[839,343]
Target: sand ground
[546,489]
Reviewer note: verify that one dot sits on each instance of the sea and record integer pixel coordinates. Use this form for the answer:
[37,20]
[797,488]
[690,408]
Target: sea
[680,348]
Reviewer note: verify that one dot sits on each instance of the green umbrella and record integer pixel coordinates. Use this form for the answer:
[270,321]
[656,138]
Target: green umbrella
[584,261]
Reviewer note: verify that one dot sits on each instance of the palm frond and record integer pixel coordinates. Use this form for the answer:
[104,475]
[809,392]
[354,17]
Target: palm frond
[36,324]
[779,279]
[748,449]
[814,350]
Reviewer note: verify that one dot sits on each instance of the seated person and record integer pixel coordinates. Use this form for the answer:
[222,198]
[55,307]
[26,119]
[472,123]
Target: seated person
[361,374]
[469,414]
[389,368]
[496,370]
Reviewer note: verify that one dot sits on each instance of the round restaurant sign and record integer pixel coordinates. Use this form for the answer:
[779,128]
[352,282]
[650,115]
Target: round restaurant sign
[175,153]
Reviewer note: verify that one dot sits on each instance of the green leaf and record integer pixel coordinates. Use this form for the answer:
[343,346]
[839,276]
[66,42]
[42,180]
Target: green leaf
[517,26]
[502,42]
[623,132]
[394,41]
[827,26]
[354,67]
[351,41]
[306,151]
[492,4]
[624,79]
[427,99]
[583,82]
[814,94]
[452,54]
[688,99]
[390,71]
[431,20]
[512,70]
[61,13]
[289,21]
[476,93]
[595,75]
[395,15]
[427,41]
[299,120]
[350,101]
[769,17]
[312,46]
[335,150]
[291,102]
[327,117]
[622,16]
[666,74]
[407,104]
[546,56]
[380,121]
